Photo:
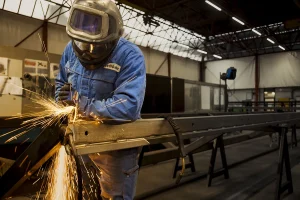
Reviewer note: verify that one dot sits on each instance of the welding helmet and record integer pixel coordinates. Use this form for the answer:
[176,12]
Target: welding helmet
[95,27]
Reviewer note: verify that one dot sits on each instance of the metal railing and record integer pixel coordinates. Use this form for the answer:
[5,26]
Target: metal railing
[262,106]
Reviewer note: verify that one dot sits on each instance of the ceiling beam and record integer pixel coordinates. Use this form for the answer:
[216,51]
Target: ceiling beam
[133,5]
[175,3]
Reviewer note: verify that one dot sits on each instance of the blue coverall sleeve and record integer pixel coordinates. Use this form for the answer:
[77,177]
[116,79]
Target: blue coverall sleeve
[127,99]
[61,78]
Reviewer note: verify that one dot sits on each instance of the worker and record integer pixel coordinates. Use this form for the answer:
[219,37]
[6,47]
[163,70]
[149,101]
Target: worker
[108,72]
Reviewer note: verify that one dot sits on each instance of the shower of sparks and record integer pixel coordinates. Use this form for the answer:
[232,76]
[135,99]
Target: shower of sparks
[62,182]
[51,113]
[90,192]
[59,181]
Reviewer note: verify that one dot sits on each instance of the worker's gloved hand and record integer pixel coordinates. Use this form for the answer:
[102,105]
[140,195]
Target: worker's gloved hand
[64,92]
[68,103]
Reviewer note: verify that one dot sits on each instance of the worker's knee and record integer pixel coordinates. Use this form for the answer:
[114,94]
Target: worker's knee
[119,171]
[124,190]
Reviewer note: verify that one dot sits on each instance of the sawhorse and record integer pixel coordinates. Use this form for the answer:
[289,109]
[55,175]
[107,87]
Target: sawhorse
[218,143]
[284,158]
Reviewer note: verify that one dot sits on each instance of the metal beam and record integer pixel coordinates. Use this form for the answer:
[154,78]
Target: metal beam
[28,36]
[155,157]
[169,64]
[167,6]
[35,156]
[61,5]
[132,5]
[162,64]
[202,70]
[90,133]
[256,79]
[45,37]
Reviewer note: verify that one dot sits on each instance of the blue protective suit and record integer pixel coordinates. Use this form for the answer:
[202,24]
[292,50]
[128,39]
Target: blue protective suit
[115,90]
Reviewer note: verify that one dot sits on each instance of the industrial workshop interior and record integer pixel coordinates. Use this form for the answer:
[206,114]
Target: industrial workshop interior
[149,99]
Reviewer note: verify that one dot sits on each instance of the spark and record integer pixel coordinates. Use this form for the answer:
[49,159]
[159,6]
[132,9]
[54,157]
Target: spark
[50,114]
[36,181]
[39,171]
[17,136]
[61,183]
[85,166]
[28,166]
[60,179]
[98,176]
[24,141]
[23,161]
[86,191]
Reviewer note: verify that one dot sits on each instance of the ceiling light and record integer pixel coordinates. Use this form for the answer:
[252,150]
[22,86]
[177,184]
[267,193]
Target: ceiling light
[255,31]
[183,45]
[281,47]
[200,51]
[213,5]
[216,56]
[237,20]
[270,40]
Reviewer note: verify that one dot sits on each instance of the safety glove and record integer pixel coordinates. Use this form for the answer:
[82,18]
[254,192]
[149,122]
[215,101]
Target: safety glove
[68,103]
[64,93]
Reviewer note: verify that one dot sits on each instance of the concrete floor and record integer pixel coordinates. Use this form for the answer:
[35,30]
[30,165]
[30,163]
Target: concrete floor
[254,180]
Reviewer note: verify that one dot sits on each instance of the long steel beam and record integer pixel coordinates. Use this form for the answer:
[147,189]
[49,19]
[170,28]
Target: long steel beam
[92,137]
[89,136]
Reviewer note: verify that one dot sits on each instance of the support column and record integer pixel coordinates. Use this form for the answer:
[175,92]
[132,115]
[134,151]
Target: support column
[256,80]
[45,36]
[202,70]
[226,99]
[170,76]
[169,65]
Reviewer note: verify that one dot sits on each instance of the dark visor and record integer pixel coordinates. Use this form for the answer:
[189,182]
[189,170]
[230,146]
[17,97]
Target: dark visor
[86,22]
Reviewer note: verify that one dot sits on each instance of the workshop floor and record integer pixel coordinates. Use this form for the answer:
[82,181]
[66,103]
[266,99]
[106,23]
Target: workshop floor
[253,180]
